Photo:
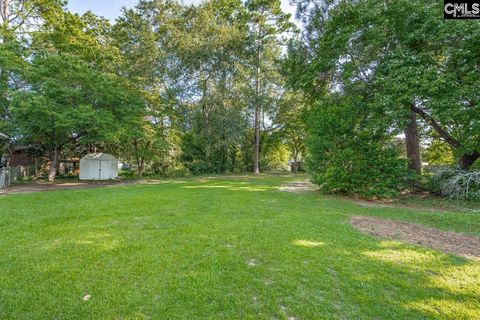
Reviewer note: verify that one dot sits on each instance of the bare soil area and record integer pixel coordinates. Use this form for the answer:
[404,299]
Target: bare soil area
[298,186]
[38,187]
[444,241]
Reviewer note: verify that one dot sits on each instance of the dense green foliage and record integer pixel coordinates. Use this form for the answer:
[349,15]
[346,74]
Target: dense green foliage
[67,101]
[169,88]
[350,156]
[374,66]
[439,153]
[196,66]
[174,89]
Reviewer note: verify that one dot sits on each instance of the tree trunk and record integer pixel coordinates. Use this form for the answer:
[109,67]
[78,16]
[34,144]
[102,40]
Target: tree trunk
[138,158]
[412,143]
[55,162]
[256,157]
[467,160]
[204,102]
[295,167]
[256,154]
[442,132]
[295,163]
[4,13]
[141,167]
[4,16]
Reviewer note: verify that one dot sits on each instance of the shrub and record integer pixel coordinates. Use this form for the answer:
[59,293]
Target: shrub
[176,172]
[349,153]
[369,170]
[126,174]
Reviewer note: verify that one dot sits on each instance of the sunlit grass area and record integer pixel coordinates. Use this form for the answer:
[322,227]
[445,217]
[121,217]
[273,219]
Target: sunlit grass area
[222,248]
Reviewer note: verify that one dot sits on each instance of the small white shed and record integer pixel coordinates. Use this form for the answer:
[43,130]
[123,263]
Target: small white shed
[98,166]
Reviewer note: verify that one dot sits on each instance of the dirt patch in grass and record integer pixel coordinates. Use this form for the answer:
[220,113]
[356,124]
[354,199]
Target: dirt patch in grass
[421,201]
[445,241]
[39,187]
[298,186]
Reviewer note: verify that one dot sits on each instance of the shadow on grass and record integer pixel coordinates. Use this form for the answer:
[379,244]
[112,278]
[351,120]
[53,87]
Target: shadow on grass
[387,279]
[215,250]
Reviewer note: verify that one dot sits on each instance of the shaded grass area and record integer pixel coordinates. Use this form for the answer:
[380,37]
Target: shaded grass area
[439,202]
[222,248]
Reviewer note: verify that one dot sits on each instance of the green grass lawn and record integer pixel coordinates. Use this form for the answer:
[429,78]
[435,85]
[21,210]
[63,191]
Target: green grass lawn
[222,248]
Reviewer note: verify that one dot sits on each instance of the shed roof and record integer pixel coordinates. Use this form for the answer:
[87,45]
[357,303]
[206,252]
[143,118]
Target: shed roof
[99,157]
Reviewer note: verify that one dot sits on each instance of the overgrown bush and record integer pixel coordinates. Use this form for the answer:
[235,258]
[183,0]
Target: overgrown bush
[457,184]
[351,154]
[127,174]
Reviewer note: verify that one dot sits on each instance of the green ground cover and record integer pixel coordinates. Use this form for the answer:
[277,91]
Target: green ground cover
[222,248]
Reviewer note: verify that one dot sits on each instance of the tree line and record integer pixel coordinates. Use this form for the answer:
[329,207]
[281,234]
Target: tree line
[365,91]
[167,87]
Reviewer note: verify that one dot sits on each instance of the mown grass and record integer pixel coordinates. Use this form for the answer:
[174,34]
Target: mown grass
[222,248]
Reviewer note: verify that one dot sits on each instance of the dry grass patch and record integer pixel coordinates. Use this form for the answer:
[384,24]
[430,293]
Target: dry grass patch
[298,186]
[445,241]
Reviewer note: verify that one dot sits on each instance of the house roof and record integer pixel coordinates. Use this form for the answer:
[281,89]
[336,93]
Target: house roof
[99,157]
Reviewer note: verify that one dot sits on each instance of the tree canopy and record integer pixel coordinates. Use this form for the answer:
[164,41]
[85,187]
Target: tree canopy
[393,68]
[360,91]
